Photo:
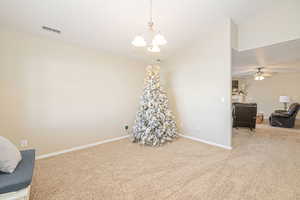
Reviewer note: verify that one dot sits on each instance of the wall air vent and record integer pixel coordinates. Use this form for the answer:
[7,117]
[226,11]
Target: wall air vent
[51,29]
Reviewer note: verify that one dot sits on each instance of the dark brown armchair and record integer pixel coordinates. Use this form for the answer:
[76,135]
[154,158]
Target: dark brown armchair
[285,119]
[244,115]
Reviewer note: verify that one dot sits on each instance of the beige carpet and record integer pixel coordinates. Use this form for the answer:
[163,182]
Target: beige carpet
[263,166]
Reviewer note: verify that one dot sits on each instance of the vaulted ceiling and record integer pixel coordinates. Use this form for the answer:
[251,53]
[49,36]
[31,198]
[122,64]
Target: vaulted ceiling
[278,58]
[110,25]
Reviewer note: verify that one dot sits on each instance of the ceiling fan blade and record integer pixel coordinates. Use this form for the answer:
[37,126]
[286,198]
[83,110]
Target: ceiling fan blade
[267,75]
[292,65]
[282,70]
[249,67]
[242,73]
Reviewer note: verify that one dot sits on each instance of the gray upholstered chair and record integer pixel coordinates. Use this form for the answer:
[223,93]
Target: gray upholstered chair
[16,186]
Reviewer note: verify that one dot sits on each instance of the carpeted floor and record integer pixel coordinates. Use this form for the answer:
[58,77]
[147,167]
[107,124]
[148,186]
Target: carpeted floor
[265,166]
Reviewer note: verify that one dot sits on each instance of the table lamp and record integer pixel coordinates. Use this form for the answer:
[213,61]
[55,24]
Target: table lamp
[285,100]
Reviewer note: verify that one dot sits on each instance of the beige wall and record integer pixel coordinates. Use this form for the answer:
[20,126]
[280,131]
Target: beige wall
[234,36]
[198,80]
[58,95]
[266,92]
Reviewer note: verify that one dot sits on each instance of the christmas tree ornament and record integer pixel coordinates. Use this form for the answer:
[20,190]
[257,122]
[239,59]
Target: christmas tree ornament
[154,124]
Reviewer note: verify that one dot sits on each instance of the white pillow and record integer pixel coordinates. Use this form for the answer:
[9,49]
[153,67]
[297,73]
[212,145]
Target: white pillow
[10,156]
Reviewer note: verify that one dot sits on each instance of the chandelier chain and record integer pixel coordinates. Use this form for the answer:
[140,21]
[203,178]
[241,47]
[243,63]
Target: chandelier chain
[151,20]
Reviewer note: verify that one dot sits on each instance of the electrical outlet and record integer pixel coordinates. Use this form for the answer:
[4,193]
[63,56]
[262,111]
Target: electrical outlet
[24,143]
[126,127]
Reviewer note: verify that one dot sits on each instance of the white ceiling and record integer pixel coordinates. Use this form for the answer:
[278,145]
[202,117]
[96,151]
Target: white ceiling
[279,58]
[110,25]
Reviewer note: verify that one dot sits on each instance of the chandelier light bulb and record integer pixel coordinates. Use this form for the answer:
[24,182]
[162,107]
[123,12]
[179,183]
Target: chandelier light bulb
[159,40]
[154,49]
[139,41]
[152,39]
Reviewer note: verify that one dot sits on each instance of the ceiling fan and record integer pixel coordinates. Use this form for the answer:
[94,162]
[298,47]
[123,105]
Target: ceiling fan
[260,75]
[263,71]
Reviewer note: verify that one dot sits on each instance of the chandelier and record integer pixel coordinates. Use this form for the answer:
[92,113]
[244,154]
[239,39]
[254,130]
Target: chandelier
[151,39]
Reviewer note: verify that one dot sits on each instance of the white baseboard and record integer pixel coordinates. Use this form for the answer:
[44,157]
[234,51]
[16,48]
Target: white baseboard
[120,138]
[80,147]
[206,142]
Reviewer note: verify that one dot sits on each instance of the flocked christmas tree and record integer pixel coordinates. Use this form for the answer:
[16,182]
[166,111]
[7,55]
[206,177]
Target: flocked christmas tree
[154,124]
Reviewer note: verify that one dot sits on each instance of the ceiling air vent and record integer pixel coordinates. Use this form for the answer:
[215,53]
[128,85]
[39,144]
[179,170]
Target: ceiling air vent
[51,29]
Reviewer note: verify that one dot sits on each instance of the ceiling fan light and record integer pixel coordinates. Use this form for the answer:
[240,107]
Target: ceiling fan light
[154,49]
[159,40]
[138,41]
[259,77]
